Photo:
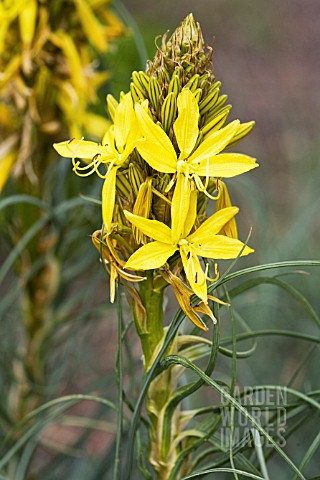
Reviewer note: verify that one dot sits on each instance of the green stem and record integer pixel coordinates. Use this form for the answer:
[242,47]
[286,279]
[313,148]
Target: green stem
[148,314]
[151,332]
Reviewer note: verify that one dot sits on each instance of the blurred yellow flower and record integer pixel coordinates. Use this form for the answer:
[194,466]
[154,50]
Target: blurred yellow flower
[49,77]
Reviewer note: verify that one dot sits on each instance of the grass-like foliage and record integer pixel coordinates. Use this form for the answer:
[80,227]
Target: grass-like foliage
[240,431]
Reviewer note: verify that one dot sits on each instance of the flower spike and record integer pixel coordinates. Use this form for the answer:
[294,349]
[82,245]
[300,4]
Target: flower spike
[162,160]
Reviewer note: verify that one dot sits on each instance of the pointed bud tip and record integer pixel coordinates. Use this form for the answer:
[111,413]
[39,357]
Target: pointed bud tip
[188,34]
[189,22]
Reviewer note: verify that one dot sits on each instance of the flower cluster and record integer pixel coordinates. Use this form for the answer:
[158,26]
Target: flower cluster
[163,160]
[48,76]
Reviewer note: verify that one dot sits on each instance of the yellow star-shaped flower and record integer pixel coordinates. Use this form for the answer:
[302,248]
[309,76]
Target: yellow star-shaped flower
[204,161]
[204,242]
[117,144]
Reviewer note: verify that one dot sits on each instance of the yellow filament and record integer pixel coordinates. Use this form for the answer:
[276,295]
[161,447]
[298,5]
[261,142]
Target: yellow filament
[203,188]
[216,271]
[94,168]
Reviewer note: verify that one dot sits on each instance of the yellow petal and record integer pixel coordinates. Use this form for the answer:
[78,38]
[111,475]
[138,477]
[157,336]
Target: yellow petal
[12,66]
[226,165]
[183,294]
[77,148]
[93,29]
[224,201]
[192,212]
[112,104]
[194,273]
[156,147]
[131,141]
[142,206]
[69,48]
[217,300]
[220,246]
[152,228]
[212,225]
[179,207]
[113,283]
[6,166]
[204,308]
[130,277]
[108,141]
[214,144]
[186,126]
[150,256]
[108,198]
[124,120]
[27,20]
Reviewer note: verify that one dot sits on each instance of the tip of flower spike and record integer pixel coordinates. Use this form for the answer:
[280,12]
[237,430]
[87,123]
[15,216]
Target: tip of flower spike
[188,31]
[185,48]
[187,36]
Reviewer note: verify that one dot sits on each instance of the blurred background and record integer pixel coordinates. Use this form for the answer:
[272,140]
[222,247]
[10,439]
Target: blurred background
[267,56]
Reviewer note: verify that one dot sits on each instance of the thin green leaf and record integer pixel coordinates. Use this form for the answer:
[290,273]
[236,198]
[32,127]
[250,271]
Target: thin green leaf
[68,400]
[260,268]
[117,460]
[259,450]
[222,470]
[262,333]
[175,359]
[172,330]
[282,284]
[187,390]
[309,454]
[231,440]
[194,446]
[24,461]
[13,199]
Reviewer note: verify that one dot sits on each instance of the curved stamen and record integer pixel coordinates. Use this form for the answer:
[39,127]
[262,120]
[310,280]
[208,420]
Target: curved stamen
[203,188]
[94,165]
[216,271]
[87,174]
[86,167]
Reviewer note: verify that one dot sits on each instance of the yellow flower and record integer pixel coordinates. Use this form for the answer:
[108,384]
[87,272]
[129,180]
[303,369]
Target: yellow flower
[49,76]
[117,144]
[204,242]
[204,161]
